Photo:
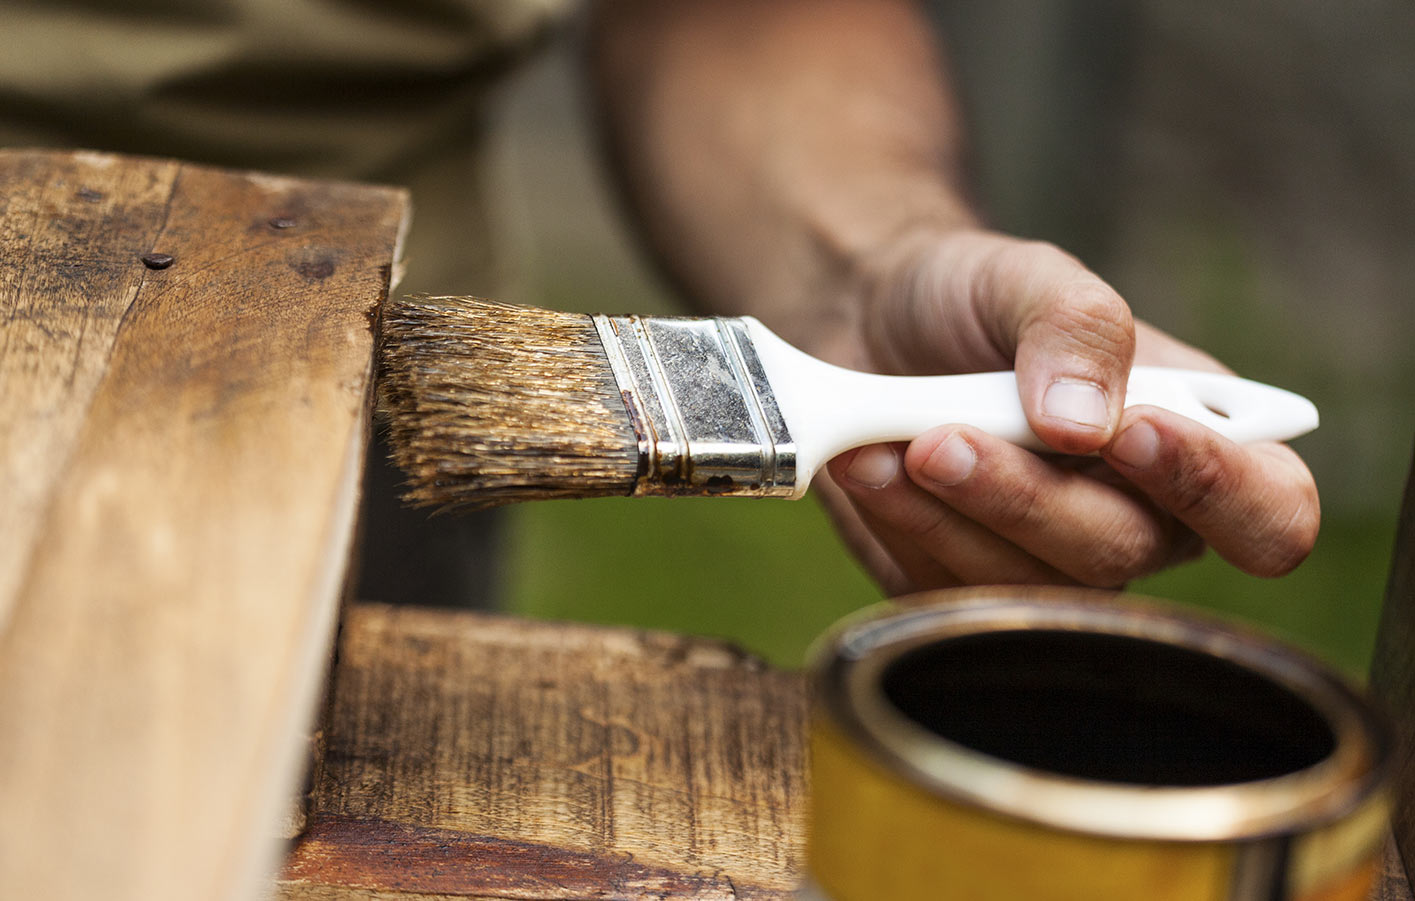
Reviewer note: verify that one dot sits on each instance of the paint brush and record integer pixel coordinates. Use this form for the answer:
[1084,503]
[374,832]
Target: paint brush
[493,403]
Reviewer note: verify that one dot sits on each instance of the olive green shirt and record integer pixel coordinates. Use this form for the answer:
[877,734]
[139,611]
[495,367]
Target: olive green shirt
[394,92]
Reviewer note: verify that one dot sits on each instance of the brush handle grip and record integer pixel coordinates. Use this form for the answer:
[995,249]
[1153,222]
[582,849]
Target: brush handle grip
[829,409]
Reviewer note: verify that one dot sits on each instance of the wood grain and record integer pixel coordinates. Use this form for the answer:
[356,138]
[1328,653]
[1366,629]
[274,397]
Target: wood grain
[473,756]
[71,231]
[186,442]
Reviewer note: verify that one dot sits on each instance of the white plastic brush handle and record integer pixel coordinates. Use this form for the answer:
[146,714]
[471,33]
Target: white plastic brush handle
[829,409]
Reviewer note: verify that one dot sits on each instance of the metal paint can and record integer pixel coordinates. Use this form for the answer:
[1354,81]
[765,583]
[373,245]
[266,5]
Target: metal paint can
[1056,744]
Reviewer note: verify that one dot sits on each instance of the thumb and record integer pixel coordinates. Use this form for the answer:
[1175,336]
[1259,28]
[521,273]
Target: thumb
[1073,342]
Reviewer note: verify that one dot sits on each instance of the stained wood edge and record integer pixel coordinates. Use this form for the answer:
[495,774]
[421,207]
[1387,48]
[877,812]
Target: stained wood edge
[291,794]
[338,577]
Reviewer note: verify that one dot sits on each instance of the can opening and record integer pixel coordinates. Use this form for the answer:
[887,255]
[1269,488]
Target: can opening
[1109,708]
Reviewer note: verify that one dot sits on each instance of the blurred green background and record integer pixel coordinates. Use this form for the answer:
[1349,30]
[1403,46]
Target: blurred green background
[1243,173]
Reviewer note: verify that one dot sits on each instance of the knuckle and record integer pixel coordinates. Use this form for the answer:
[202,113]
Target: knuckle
[1062,302]
[1070,285]
[1011,265]
[923,520]
[1198,485]
[1020,510]
[1091,300]
[1088,313]
[1125,554]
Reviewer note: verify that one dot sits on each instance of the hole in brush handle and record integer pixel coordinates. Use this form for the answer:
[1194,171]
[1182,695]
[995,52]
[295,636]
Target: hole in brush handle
[1239,409]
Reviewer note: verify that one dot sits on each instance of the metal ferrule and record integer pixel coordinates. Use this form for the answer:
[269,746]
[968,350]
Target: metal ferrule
[703,410]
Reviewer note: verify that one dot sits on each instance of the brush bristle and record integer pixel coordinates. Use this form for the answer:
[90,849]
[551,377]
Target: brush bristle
[493,403]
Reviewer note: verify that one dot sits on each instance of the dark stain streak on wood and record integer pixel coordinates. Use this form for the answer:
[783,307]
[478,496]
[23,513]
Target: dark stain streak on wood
[385,856]
[315,270]
[373,313]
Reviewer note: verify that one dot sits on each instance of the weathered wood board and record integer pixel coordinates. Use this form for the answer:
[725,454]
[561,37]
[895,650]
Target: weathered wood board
[180,453]
[474,756]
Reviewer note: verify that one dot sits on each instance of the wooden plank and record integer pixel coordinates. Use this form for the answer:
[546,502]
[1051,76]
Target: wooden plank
[189,440]
[1393,671]
[473,756]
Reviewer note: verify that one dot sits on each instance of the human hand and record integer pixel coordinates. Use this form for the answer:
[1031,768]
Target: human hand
[957,506]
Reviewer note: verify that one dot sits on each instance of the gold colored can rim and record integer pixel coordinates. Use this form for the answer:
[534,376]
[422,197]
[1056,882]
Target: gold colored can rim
[853,662]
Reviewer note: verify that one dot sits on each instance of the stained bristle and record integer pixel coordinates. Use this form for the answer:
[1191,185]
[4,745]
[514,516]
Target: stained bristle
[493,403]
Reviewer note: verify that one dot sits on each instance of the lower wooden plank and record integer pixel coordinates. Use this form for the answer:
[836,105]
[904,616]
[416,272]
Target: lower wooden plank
[473,756]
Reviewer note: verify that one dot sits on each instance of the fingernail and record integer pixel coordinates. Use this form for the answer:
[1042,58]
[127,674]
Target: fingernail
[951,462]
[1137,446]
[1080,402]
[874,466]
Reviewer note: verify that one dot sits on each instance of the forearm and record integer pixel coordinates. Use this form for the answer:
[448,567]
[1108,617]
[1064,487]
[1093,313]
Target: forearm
[772,151]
